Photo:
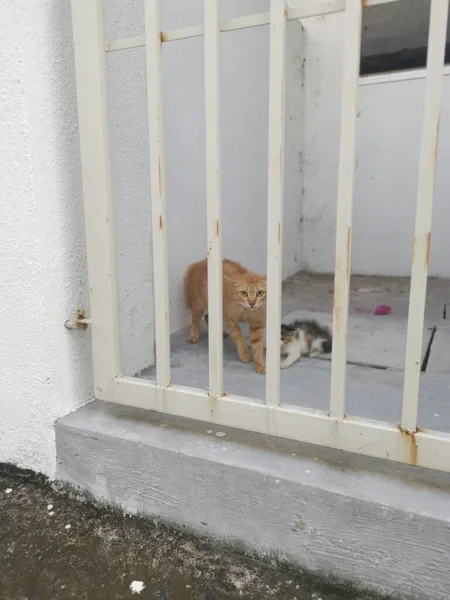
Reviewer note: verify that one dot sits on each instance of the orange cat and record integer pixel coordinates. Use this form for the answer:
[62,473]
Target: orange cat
[244,301]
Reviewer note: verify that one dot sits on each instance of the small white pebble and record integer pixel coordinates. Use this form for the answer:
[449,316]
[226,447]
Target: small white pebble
[436,415]
[163,425]
[68,526]
[209,431]
[8,491]
[189,586]
[136,587]
[51,513]
[221,434]
[49,507]
[277,481]
[294,454]
[307,471]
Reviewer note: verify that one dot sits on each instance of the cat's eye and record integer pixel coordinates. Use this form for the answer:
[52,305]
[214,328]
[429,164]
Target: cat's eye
[260,293]
[244,294]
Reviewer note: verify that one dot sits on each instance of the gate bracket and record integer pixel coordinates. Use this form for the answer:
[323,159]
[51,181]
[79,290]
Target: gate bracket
[80,322]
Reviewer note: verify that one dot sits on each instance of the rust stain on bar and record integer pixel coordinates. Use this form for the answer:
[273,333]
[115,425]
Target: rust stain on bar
[279,233]
[427,244]
[286,14]
[364,3]
[414,249]
[410,444]
[217,228]
[436,141]
[163,36]
[161,225]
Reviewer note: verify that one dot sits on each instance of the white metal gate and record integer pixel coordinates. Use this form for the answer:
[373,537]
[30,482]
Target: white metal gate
[404,442]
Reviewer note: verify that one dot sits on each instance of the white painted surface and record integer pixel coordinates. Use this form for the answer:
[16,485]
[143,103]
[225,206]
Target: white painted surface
[93,121]
[388,144]
[244,83]
[345,194]
[45,369]
[424,209]
[213,194]
[275,197]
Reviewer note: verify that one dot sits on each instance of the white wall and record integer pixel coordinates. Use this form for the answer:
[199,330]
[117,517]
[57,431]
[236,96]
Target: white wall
[45,369]
[388,139]
[244,87]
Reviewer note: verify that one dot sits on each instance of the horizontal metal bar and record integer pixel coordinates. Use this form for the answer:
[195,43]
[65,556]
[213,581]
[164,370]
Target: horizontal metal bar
[312,9]
[429,449]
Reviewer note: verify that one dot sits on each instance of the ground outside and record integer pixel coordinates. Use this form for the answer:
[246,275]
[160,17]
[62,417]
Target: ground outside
[56,545]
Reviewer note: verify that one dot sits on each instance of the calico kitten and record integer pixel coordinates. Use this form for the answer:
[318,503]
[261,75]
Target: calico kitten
[244,301]
[303,338]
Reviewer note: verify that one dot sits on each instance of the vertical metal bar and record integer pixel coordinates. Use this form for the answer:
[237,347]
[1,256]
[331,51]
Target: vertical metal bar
[424,210]
[213,196]
[88,28]
[158,190]
[347,155]
[278,18]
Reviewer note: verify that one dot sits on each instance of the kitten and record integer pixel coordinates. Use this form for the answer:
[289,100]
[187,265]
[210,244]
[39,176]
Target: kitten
[303,338]
[244,301]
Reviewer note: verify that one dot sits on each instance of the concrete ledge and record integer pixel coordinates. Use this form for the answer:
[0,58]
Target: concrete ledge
[378,525]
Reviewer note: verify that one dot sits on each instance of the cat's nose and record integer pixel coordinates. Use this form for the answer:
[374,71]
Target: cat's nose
[252,303]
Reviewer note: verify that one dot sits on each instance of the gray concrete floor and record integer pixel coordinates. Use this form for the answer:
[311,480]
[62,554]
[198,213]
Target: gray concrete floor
[55,545]
[376,343]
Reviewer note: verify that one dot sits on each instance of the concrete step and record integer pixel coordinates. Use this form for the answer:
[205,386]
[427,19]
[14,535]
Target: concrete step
[380,525]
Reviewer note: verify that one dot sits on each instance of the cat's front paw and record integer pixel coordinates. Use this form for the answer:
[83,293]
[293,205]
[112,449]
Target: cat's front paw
[284,364]
[194,338]
[260,368]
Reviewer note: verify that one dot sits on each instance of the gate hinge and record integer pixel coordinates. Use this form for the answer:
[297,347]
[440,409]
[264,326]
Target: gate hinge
[80,322]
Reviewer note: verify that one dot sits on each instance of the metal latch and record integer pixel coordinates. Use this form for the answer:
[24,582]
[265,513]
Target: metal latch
[80,322]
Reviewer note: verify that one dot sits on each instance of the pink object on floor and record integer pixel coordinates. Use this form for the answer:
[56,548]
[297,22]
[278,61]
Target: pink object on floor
[383,309]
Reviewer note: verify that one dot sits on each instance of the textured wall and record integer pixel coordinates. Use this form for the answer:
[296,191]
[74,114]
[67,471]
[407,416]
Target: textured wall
[45,370]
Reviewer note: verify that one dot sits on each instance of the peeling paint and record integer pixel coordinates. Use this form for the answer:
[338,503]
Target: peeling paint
[427,253]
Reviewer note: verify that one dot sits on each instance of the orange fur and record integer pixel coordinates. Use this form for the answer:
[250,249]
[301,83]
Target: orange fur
[244,301]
